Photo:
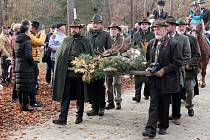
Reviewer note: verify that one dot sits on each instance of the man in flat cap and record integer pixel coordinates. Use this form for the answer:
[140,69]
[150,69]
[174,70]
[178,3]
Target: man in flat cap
[159,12]
[56,40]
[68,85]
[163,61]
[48,55]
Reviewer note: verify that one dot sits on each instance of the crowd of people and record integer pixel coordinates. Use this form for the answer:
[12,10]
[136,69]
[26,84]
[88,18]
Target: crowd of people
[172,57]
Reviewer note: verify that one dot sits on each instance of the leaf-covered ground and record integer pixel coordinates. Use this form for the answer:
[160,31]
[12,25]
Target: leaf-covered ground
[12,119]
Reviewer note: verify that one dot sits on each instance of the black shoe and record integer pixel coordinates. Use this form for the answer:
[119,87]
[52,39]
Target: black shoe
[170,117]
[101,111]
[191,112]
[118,106]
[59,121]
[78,120]
[27,109]
[146,97]
[162,131]
[137,99]
[92,112]
[37,104]
[110,105]
[149,133]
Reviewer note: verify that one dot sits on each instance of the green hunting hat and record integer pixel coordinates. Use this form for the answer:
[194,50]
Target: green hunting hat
[171,20]
[159,23]
[181,21]
[144,21]
[97,18]
[114,25]
[77,23]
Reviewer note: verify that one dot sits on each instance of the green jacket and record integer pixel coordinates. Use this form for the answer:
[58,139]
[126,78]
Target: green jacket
[141,37]
[100,40]
[81,45]
[186,54]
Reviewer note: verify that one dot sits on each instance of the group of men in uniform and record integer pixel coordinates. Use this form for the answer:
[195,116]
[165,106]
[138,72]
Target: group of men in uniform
[172,66]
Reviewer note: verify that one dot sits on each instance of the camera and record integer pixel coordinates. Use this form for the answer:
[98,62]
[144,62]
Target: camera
[153,67]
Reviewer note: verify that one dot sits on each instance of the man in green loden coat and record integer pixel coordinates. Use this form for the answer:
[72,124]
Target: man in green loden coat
[141,39]
[68,85]
[100,41]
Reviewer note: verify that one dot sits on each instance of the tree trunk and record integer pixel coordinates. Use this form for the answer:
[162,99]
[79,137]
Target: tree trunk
[132,13]
[1,13]
[171,7]
[70,13]
[109,11]
[145,8]
[152,6]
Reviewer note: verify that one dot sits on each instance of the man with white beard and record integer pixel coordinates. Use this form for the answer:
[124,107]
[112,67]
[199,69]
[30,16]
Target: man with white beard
[164,59]
[186,55]
[191,68]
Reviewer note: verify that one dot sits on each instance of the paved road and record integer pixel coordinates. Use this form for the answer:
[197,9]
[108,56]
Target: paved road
[127,123]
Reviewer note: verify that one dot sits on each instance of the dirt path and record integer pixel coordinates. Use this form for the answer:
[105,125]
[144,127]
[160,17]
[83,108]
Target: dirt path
[126,124]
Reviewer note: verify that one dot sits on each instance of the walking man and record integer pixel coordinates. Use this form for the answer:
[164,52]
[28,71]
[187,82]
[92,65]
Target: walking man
[68,85]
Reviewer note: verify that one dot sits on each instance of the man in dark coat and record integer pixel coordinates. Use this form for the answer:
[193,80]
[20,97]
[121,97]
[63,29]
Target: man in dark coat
[160,13]
[164,55]
[24,73]
[141,39]
[67,85]
[48,55]
[186,55]
[191,68]
[100,41]
[206,13]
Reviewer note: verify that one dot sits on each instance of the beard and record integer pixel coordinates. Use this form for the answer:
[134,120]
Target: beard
[180,32]
[158,37]
[75,34]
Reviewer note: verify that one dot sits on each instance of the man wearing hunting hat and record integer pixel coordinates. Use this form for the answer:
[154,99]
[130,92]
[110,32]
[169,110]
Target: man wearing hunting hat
[100,41]
[163,61]
[191,69]
[160,13]
[114,83]
[186,55]
[141,39]
[205,12]
[67,85]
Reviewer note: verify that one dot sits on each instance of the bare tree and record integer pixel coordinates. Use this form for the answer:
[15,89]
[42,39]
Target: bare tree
[132,13]
[109,11]
[1,13]
[70,13]
[145,8]
[171,7]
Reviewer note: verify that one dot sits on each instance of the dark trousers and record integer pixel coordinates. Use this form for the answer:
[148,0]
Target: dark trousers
[32,95]
[48,71]
[67,96]
[159,108]
[138,87]
[4,67]
[176,105]
[23,98]
[14,92]
[96,91]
